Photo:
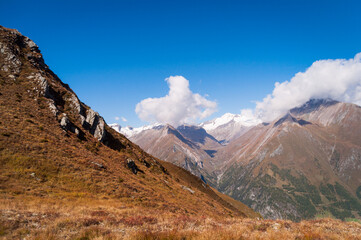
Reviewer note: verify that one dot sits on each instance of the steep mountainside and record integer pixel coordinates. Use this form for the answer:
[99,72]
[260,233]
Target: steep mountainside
[53,146]
[189,147]
[305,163]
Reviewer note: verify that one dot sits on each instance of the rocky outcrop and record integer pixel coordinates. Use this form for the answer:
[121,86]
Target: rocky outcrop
[20,54]
[67,125]
[10,62]
[132,166]
[188,189]
[95,124]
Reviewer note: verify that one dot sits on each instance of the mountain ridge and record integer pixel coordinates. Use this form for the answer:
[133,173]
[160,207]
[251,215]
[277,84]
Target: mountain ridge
[285,150]
[319,133]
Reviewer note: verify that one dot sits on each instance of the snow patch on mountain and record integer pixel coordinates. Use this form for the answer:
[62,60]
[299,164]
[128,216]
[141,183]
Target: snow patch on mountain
[130,131]
[246,119]
[115,126]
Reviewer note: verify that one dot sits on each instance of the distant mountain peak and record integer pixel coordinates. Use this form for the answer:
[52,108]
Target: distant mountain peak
[313,104]
[115,126]
[129,131]
[229,126]
[196,134]
[228,118]
[288,118]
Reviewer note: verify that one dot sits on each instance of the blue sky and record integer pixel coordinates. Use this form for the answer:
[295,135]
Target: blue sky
[114,54]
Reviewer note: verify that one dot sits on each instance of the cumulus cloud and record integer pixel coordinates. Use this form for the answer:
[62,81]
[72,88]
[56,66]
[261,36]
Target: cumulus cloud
[116,118]
[124,119]
[338,79]
[179,106]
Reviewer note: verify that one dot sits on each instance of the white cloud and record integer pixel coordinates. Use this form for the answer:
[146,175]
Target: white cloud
[338,79]
[179,106]
[124,119]
[116,118]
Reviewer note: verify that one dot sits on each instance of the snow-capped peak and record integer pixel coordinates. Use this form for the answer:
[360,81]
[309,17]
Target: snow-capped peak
[115,126]
[245,119]
[130,131]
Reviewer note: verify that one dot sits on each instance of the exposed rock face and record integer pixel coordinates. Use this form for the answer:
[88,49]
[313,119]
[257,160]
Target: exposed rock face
[10,61]
[64,122]
[19,52]
[69,126]
[132,166]
[52,107]
[44,86]
[95,124]
[75,105]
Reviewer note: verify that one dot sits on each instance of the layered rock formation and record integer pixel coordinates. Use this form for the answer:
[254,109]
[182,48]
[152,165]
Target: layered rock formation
[15,49]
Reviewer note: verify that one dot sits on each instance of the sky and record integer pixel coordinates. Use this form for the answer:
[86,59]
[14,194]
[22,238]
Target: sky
[191,61]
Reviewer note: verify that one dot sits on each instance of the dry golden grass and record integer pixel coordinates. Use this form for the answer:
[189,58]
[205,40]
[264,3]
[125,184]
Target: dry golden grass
[89,218]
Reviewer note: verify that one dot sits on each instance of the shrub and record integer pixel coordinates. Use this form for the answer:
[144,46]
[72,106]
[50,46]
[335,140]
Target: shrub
[91,221]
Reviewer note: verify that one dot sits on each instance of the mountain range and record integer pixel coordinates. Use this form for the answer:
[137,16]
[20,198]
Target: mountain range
[303,164]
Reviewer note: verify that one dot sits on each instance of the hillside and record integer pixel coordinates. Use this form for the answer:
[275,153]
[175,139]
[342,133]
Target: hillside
[56,150]
[189,147]
[303,164]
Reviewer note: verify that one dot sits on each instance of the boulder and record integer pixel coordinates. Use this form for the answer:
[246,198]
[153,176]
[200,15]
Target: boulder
[132,166]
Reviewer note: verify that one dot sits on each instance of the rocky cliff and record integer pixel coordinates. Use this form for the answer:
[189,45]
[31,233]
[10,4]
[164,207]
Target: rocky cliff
[19,53]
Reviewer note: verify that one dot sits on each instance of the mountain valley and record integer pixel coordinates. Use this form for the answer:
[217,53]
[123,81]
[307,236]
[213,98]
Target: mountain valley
[67,174]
